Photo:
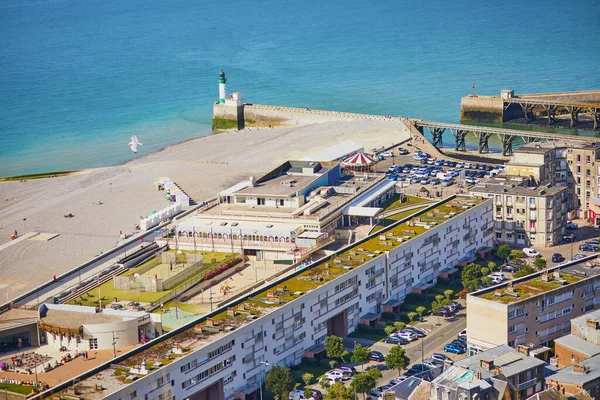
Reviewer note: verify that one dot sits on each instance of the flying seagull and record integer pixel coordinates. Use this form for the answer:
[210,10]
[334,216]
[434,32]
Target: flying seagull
[134,143]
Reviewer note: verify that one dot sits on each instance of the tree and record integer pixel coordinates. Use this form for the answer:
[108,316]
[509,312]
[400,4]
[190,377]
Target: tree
[308,378]
[333,364]
[420,310]
[324,382]
[439,297]
[517,255]
[492,266]
[435,309]
[411,315]
[360,355]
[374,373]
[486,281]
[470,277]
[526,270]
[389,330]
[397,359]
[280,381]
[337,391]
[503,251]
[307,392]
[448,293]
[539,263]
[363,383]
[485,271]
[399,325]
[334,347]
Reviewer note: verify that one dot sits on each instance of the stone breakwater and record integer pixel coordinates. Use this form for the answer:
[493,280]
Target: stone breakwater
[264,116]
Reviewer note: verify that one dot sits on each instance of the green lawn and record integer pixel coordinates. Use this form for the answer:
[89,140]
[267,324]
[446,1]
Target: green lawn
[21,389]
[367,335]
[192,309]
[108,292]
[394,202]
[395,218]
[317,371]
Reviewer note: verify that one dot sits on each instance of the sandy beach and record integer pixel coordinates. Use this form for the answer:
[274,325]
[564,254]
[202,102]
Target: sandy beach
[201,167]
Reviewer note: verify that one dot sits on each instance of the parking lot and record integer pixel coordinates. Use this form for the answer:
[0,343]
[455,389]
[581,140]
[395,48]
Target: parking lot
[422,175]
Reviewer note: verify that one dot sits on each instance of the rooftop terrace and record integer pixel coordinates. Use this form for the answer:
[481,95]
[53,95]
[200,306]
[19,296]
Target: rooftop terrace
[536,284]
[210,329]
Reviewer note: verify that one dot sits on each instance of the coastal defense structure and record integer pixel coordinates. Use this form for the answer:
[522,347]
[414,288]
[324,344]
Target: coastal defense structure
[228,112]
[578,109]
[222,87]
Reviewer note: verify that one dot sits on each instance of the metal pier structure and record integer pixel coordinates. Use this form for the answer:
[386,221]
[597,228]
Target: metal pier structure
[483,134]
[551,107]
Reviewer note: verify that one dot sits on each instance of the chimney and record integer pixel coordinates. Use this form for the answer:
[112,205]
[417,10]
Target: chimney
[580,369]
[592,323]
[252,181]
[487,364]
[523,349]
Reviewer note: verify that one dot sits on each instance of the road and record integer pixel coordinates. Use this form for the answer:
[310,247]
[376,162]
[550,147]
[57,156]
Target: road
[438,336]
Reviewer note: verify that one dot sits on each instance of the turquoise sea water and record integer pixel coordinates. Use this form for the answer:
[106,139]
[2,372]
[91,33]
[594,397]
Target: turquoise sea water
[77,78]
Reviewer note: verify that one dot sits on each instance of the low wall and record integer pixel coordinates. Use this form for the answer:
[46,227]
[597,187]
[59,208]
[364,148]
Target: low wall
[260,115]
[482,109]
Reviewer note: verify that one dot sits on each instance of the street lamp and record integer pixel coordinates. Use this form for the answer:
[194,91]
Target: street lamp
[266,364]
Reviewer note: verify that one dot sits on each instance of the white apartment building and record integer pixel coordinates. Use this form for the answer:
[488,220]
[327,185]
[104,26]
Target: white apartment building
[231,352]
[524,215]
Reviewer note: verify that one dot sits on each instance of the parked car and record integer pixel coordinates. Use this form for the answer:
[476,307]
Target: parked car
[402,151]
[571,225]
[398,380]
[452,348]
[509,268]
[579,256]
[435,181]
[447,183]
[416,331]
[374,395]
[410,336]
[392,168]
[497,275]
[569,238]
[380,157]
[433,363]
[387,153]
[529,252]
[376,356]
[441,357]
[445,312]
[557,258]
[425,181]
[395,340]
[457,305]
[593,242]
[588,247]
[337,374]
[298,394]
[350,370]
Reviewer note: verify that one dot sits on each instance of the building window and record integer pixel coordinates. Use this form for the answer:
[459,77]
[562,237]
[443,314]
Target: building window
[498,235]
[281,202]
[509,236]
[93,343]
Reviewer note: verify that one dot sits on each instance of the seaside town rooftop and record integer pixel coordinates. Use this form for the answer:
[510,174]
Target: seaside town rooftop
[540,282]
[210,329]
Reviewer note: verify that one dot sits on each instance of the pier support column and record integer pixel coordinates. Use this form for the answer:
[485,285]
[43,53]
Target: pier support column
[437,134]
[459,140]
[596,117]
[484,138]
[574,111]
[507,141]
[551,112]
[528,112]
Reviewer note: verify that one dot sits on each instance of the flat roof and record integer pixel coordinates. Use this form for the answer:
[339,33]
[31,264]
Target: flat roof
[532,285]
[279,186]
[508,360]
[514,186]
[339,264]
[336,152]
[16,317]
[543,147]
[568,375]
[581,320]
[578,344]
[73,319]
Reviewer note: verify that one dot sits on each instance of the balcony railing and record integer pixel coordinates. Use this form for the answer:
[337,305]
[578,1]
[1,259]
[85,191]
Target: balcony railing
[527,384]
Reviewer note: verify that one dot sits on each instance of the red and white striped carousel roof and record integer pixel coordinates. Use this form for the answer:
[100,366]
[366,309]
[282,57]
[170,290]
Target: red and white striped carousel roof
[358,159]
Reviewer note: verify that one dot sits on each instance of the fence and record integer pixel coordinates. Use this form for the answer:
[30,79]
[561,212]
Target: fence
[182,276]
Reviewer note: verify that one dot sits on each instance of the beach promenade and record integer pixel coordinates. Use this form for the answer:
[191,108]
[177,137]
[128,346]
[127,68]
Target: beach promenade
[105,201]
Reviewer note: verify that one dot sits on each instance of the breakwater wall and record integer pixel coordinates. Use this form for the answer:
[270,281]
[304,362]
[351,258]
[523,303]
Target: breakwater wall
[264,116]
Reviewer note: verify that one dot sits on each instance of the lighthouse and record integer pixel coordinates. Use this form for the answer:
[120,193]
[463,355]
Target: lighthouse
[222,87]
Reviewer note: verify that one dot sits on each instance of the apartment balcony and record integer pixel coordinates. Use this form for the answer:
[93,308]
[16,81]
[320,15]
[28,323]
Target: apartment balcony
[532,206]
[527,384]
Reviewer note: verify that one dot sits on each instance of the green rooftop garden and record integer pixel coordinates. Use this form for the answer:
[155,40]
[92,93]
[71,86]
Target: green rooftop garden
[108,292]
[529,288]
[355,256]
